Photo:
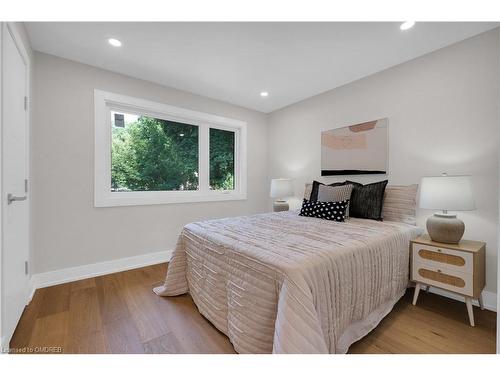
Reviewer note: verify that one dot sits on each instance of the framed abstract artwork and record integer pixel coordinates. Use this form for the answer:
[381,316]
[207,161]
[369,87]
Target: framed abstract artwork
[356,149]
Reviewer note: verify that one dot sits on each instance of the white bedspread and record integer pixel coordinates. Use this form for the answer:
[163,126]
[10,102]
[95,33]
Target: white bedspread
[283,283]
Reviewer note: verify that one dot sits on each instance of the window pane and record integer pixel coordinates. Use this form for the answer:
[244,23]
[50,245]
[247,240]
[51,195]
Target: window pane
[221,159]
[149,154]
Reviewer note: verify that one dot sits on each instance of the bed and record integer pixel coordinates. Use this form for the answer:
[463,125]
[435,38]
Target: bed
[284,283]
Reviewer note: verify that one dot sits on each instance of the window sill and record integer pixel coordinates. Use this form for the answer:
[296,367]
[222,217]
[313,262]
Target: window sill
[163,197]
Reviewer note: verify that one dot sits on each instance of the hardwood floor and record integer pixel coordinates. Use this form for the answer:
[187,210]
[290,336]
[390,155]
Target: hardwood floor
[119,313]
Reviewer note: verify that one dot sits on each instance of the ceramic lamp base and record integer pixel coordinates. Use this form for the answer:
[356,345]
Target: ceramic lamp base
[280,206]
[445,228]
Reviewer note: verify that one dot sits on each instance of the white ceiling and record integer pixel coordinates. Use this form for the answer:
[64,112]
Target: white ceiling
[234,62]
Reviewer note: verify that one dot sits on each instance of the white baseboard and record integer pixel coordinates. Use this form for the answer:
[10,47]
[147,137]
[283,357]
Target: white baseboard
[42,280]
[32,290]
[489,298]
[4,345]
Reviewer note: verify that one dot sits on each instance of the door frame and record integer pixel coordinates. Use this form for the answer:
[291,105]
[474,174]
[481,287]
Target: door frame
[13,28]
[498,240]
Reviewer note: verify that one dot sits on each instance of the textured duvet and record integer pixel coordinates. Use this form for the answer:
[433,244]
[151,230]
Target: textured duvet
[284,283]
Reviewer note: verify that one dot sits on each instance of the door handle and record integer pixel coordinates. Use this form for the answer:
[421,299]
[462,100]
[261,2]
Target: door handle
[12,198]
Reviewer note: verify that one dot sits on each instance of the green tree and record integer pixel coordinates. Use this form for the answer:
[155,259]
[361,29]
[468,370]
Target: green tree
[221,159]
[153,155]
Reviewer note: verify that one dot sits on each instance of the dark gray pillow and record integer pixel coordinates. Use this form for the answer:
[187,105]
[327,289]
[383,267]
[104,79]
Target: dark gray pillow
[367,200]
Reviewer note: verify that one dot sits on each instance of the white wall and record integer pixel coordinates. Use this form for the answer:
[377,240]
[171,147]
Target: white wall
[443,117]
[68,231]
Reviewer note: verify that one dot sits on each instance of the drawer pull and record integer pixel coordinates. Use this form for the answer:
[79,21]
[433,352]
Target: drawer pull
[441,257]
[442,277]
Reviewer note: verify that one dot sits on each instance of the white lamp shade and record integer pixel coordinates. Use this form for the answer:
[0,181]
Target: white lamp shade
[281,188]
[453,193]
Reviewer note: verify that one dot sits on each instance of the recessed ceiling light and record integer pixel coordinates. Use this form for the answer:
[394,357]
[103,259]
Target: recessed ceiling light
[181,135]
[407,25]
[264,94]
[114,42]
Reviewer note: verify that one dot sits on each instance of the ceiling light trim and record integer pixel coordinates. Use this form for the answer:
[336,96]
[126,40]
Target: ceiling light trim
[407,25]
[115,42]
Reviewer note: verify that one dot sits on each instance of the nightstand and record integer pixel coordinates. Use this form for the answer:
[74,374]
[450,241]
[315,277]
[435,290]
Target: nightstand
[457,268]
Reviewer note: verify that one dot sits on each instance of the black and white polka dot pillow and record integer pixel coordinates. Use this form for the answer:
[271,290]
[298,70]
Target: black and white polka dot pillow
[324,210]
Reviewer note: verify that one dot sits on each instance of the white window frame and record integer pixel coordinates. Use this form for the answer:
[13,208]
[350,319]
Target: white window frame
[105,102]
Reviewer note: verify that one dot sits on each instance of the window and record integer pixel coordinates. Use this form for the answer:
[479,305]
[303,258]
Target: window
[221,159]
[151,153]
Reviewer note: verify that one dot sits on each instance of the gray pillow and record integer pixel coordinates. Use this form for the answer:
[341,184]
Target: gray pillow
[328,193]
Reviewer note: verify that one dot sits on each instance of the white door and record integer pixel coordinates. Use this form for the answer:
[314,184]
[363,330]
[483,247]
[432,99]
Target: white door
[15,219]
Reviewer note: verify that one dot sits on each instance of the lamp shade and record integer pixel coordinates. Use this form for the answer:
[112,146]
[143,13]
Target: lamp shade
[281,188]
[452,193]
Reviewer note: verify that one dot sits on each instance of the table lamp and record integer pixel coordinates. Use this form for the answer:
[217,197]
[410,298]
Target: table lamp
[446,193]
[281,188]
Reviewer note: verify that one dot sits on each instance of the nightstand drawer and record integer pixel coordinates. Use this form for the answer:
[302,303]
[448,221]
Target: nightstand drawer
[453,260]
[444,278]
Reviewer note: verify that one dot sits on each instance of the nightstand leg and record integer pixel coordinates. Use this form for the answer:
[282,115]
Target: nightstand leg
[415,296]
[468,302]
[480,299]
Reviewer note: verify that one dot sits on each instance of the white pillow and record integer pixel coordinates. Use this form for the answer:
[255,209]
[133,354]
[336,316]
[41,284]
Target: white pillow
[308,191]
[400,204]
